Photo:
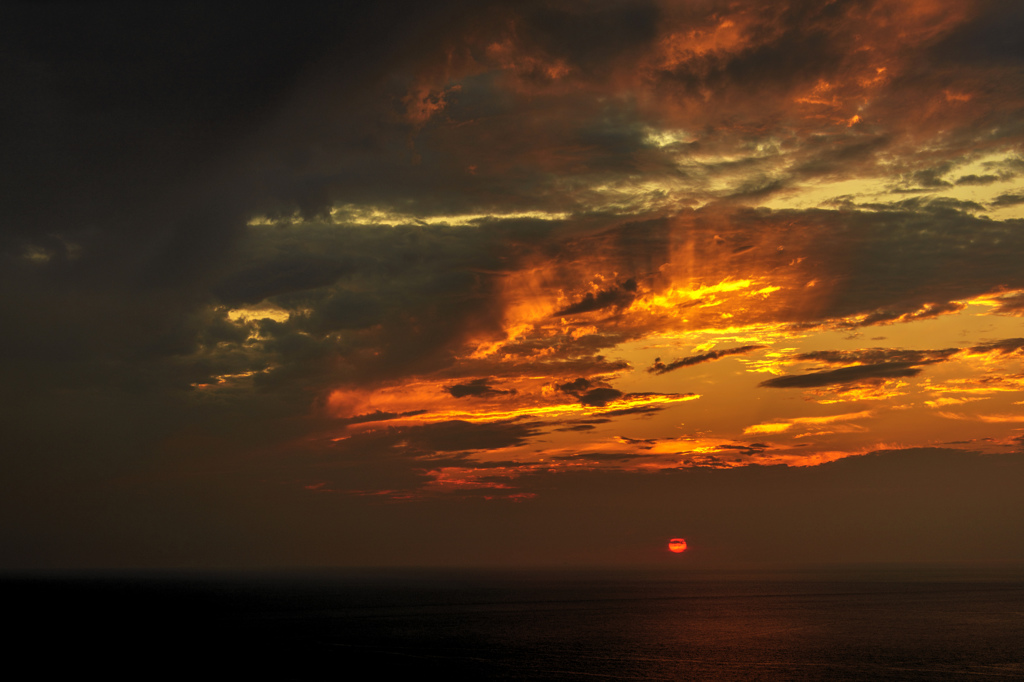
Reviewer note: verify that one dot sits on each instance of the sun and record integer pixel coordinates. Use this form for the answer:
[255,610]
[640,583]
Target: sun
[677,545]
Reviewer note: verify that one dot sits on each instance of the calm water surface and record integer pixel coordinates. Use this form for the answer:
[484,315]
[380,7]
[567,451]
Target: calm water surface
[539,626]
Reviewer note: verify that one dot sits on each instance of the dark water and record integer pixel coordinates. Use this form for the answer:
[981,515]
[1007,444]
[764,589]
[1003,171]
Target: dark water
[537,626]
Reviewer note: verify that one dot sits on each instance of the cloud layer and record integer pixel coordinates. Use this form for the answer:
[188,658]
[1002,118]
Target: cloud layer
[455,251]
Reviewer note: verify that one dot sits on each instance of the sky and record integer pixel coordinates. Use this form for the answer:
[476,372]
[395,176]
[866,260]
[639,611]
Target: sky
[512,284]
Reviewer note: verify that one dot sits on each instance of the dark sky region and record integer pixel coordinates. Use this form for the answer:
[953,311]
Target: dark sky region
[511,283]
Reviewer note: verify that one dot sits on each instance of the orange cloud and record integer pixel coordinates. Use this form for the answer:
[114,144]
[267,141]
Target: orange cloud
[781,426]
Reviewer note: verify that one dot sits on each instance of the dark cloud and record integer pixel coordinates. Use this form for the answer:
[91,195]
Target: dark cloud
[429,439]
[579,347]
[928,311]
[930,204]
[751,449]
[281,276]
[876,356]
[772,62]
[576,386]
[141,152]
[166,126]
[1012,304]
[619,296]
[987,37]
[597,457]
[977,179]
[600,394]
[705,461]
[475,388]
[577,427]
[833,153]
[558,369]
[641,443]
[845,375]
[165,241]
[409,298]
[599,397]
[583,424]
[1008,200]
[758,188]
[660,368]
[931,178]
[591,39]
[378,416]
[1003,347]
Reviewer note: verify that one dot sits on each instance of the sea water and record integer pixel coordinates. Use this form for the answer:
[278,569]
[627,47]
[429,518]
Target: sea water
[526,625]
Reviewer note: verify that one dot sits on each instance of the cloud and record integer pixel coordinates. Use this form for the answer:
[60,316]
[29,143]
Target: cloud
[598,457]
[931,177]
[577,427]
[289,274]
[592,39]
[599,397]
[426,440]
[356,292]
[575,387]
[784,425]
[1003,347]
[378,416]
[621,295]
[977,179]
[1008,200]
[926,312]
[845,375]
[1012,304]
[876,356]
[660,368]
[475,388]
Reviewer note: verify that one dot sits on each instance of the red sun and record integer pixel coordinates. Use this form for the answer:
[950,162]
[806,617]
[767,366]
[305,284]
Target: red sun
[677,545]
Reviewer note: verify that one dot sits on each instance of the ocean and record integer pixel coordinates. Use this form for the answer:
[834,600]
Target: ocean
[531,625]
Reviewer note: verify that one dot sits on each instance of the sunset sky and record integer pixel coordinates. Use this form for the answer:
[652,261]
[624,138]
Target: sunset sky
[512,284]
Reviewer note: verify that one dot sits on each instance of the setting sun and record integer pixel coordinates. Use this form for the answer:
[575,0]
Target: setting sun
[677,545]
